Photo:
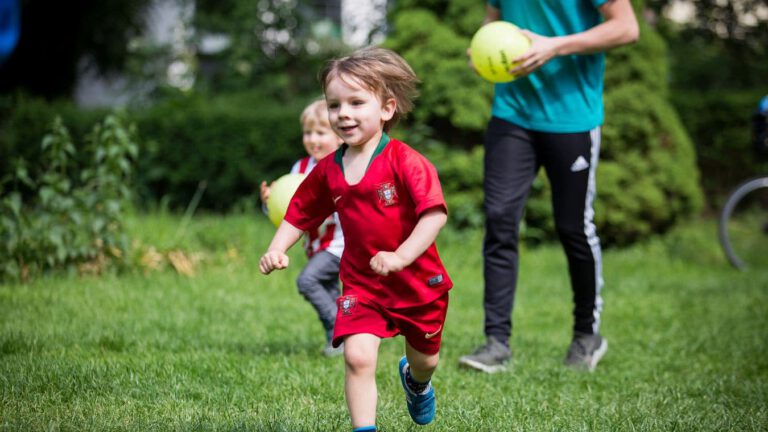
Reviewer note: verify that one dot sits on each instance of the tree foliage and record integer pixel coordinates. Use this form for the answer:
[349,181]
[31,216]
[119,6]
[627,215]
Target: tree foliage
[273,45]
[718,70]
[724,45]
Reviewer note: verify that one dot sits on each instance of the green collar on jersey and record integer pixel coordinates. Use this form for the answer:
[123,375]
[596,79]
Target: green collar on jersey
[379,148]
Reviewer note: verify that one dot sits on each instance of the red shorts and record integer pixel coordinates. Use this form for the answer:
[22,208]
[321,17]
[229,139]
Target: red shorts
[421,325]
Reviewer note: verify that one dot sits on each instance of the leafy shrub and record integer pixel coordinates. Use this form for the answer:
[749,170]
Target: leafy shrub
[461,176]
[643,62]
[230,142]
[24,121]
[450,91]
[74,216]
[647,176]
[720,124]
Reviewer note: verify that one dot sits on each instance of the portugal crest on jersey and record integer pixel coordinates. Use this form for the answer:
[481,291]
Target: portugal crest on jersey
[387,194]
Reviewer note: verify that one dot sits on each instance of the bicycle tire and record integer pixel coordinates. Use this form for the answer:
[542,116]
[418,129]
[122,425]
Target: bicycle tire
[726,215]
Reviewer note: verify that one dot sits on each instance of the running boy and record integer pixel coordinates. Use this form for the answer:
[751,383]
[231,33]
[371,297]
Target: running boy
[391,208]
[319,281]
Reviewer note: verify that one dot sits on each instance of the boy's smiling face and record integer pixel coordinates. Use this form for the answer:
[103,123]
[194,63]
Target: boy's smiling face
[319,139]
[356,113]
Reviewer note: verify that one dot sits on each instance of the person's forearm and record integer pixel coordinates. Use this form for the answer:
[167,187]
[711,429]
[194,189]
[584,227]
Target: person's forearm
[285,237]
[491,14]
[619,28]
[600,38]
[423,235]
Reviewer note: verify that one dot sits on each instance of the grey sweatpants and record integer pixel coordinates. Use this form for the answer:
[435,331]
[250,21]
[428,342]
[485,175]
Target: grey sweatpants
[319,284]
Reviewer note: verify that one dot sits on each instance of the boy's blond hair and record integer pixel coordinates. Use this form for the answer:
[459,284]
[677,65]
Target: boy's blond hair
[383,72]
[315,113]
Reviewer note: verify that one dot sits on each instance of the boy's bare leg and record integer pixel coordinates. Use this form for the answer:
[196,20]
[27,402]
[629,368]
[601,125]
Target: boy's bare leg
[361,353]
[422,365]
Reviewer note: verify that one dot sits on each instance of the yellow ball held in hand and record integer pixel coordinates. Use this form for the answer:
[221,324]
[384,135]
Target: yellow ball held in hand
[280,194]
[493,48]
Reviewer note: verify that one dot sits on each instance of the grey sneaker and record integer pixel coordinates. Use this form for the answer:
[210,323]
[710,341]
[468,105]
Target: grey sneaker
[585,351]
[490,358]
[330,351]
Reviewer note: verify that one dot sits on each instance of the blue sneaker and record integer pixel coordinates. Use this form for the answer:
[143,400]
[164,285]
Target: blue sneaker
[421,407]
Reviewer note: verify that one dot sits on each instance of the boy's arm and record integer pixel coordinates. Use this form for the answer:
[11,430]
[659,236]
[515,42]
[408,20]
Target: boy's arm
[423,235]
[275,257]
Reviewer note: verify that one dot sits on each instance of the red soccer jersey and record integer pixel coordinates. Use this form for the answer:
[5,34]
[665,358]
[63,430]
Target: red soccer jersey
[377,214]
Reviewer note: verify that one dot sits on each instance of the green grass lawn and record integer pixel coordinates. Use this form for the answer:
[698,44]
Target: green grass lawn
[230,349]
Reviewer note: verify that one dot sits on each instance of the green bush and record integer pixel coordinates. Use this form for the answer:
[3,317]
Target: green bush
[647,177]
[643,62]
[74,216]
[461,176]
[24,121]
[230,142]
[720,124]
[450,93]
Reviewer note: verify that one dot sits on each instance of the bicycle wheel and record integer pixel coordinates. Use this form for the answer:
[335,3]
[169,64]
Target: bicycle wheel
[743,227]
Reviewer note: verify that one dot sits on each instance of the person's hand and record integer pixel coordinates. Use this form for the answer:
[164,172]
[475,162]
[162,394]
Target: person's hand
[542,50]
[264,191]
[385,263]
[273,260]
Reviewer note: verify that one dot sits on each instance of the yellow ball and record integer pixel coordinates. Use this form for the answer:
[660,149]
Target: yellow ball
[494,46]
[280,194]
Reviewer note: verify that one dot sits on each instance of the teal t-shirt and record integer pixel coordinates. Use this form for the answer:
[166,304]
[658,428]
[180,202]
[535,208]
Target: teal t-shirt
[566,94]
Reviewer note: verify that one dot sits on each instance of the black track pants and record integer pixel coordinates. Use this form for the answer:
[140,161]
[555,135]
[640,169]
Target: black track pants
[512,158]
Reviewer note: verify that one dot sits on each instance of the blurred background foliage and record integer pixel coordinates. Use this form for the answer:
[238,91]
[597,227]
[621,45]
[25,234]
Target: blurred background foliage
[60,39]
[719,69]
[215,107]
